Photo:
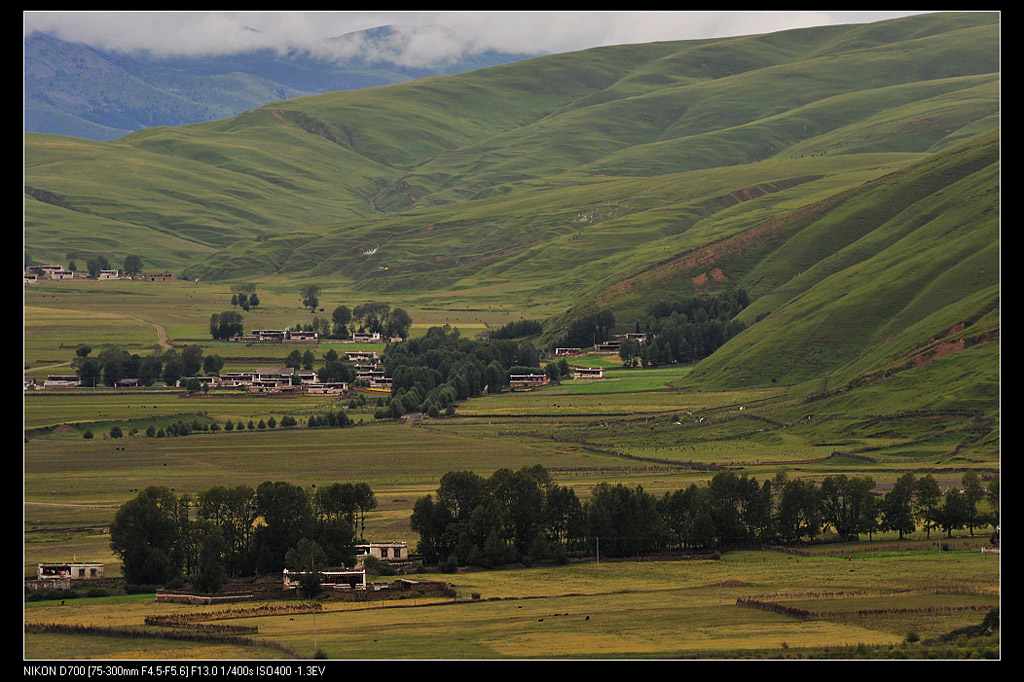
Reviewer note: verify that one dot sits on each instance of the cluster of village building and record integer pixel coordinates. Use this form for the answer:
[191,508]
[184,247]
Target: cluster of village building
[527,381]
[288,380]
[35,273]
[257,336]
[261,380]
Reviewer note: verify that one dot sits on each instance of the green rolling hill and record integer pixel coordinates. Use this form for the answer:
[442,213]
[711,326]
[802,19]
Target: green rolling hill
[846,176]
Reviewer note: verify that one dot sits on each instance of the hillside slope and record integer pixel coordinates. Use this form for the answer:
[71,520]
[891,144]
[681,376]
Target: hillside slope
[880,280]
[514,168]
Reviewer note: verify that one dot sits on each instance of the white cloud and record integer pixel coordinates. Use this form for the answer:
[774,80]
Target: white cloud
[422,36]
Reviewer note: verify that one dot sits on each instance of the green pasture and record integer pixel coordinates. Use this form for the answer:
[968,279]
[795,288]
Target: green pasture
[635,394]
[61,315]
[138,409]
[659,439]
[616,378]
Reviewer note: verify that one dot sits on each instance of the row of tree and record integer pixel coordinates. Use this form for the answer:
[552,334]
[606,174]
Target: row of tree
[517,329]
[237,531]
[329,418]
[115,363]
[244,296]
[226,325]
[371,318]
[588,330]
[132,265]
[523,516]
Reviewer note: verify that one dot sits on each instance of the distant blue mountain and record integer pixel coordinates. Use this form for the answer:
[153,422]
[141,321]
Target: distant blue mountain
[77,90]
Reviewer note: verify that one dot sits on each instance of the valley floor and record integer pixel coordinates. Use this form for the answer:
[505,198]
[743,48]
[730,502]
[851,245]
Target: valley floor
[879,599]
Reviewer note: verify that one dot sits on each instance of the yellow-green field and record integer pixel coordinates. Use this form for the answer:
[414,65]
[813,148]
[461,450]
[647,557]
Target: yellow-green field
[599,609]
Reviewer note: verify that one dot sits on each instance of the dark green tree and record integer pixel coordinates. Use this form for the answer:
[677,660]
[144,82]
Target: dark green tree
[294,360]
[398,324]
[927,501]
[521,501]
[210,572]
[430,521]
[676,508]
[95,265]
[974,493]
[563,516]
[898,506]
[308,557]
[132,265]
[459,494]
[799,512]
[365,501]
[145,535]
[954,513]
[226,325]
[847,504]
[173,367]
[624,521]
[340,318]
[89,373]
[150,369]
[288,517]
[212,364]
[192,356]
[310,296]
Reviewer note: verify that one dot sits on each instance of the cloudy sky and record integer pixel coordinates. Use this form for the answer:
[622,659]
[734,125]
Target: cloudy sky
[424,36]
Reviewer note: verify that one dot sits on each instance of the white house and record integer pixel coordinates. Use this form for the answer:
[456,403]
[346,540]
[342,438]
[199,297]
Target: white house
[330,388]
[385,551]
[527,380]
[61,381]
[366,337]
[70,571]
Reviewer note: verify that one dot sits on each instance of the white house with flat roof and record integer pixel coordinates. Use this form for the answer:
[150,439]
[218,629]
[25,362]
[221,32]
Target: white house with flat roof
[69,570]
[385,551]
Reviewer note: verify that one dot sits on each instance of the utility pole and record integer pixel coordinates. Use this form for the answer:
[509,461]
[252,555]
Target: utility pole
[313,568]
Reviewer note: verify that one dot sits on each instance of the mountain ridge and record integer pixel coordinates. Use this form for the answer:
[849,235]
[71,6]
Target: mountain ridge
[83,91]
